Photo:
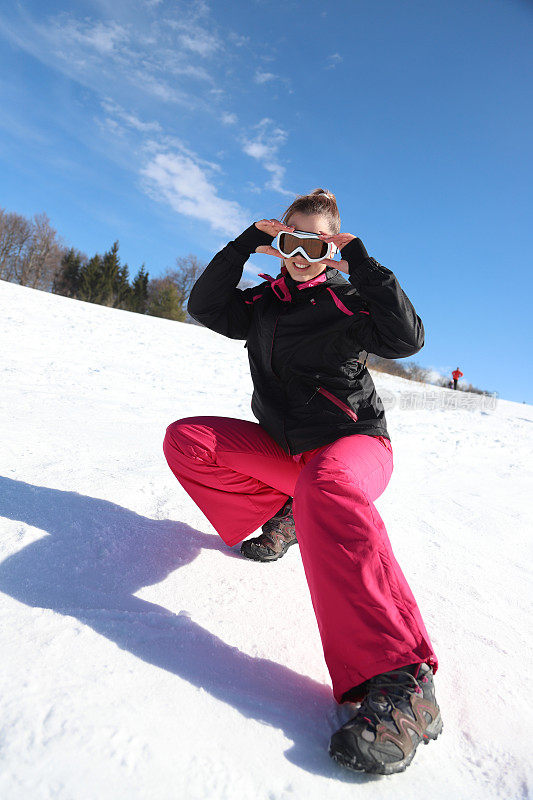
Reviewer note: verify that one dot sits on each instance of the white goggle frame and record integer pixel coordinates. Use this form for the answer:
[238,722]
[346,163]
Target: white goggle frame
[332,249]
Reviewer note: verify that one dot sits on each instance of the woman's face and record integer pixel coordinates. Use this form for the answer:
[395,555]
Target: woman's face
[299,269]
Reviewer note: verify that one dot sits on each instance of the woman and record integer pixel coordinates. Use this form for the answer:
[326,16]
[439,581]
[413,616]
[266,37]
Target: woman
[317,460]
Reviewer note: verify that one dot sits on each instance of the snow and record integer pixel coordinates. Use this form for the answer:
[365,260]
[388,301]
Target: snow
[140,655]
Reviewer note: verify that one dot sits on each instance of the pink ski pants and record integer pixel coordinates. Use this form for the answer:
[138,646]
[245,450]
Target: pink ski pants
[240,477]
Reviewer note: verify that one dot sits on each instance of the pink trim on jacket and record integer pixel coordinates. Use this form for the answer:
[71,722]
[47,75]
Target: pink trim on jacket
[339,303]
[313,282]
[278,284]
[347,410]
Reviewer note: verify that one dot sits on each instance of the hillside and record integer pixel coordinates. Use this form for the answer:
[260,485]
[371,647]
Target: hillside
[137,657]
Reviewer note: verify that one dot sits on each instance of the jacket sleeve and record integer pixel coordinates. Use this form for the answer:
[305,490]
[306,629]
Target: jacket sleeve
[215,300]
[390,326]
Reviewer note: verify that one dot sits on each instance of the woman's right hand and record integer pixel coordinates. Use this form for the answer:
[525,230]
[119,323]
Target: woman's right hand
[272,227]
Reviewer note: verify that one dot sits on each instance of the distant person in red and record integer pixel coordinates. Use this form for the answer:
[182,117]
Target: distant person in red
[456,374]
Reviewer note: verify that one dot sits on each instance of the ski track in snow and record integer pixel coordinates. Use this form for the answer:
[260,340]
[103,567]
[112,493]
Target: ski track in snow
[141,657]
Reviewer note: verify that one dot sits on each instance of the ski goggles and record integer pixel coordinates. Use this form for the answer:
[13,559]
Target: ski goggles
[309,245]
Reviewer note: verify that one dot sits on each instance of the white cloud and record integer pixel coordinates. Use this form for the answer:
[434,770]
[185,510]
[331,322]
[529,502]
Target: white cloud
[159,89]
[114,56]
[193,71]
[250,185]
[195,31]
[264,77]
[103,37]
[136,57]
[333,60]
[237,39]
[228,118]
[183,182]
[264,148]
[161,50]
[131,120]
[200,42]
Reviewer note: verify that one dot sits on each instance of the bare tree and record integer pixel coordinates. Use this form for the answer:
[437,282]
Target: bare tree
[30,253]
[40,259]
[188,270]
[416,373]
[15,232]
[389,365]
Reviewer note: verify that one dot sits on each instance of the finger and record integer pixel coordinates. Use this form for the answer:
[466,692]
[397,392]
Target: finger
[282,227]
[273,252]
[341,265]
[267,250]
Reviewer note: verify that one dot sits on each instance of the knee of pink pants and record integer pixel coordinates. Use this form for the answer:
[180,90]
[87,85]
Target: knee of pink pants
[362,463]
[188,437]
[233,470]
[334,494]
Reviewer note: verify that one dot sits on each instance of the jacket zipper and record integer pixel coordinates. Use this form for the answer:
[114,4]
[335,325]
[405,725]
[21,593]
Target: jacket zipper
[276,376]
[272,346]
[347,410]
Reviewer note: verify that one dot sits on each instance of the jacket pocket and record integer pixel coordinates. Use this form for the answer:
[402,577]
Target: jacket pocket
[347,410]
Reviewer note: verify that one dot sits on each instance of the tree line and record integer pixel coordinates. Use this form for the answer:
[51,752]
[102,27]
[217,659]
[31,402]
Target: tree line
[32,254]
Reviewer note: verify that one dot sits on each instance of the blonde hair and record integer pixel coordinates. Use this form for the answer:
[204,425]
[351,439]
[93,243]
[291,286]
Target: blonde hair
[319,201]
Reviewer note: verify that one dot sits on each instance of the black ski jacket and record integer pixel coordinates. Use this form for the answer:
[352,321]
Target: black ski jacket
[305,340]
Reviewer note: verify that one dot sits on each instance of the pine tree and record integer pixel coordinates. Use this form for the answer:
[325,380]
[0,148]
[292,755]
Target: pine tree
[67,280]
[91,284]
[116,289]
[139,294]
[111,271]
[122,289]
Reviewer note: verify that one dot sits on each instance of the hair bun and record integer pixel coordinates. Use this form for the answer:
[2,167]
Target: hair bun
[319,201]
[324,192]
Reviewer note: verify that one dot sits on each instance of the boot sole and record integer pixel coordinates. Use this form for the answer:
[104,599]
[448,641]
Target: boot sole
[347,761]
[258,557]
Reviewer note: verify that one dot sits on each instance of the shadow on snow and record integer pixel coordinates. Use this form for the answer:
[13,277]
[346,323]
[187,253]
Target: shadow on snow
[98,554]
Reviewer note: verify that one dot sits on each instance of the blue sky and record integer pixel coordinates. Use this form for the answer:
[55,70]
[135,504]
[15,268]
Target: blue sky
[171,126]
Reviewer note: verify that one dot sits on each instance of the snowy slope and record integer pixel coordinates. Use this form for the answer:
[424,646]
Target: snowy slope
[137,661]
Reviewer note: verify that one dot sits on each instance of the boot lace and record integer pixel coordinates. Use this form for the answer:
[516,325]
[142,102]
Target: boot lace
[387,692]
[282,524]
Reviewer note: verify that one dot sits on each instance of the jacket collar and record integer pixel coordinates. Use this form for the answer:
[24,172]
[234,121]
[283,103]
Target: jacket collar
[289,290]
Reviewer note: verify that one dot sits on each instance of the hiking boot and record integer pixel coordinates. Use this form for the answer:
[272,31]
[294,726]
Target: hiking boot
[398,713]
[278,535]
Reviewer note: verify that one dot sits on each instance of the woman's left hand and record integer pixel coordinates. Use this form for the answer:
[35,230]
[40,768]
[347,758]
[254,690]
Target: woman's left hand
[339,240]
